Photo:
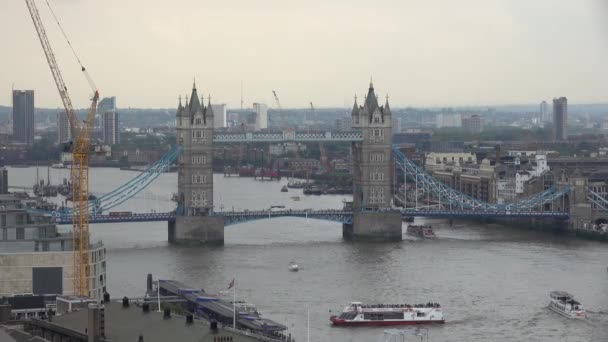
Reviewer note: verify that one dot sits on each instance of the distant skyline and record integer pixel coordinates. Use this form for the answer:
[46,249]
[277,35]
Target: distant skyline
[427,54]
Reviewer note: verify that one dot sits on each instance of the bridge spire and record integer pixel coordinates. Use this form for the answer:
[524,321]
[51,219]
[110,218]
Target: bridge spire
[387,108]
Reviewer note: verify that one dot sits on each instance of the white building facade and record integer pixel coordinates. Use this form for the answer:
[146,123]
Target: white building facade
[219,115]
[261,116]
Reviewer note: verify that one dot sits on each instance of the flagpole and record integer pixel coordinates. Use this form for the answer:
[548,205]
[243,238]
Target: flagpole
[234,307]
[158,293]
[308,325]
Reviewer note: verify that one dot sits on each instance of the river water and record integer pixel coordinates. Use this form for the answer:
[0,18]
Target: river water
[492,281]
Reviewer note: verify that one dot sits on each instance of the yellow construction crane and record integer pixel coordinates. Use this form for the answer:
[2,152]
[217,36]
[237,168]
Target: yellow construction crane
[81,145]
[280,109]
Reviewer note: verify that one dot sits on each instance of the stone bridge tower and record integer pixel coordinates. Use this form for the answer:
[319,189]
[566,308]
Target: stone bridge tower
[194,133]
[372,173]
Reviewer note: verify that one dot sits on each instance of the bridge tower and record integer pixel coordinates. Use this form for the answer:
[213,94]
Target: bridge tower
[194,132]
[372,218]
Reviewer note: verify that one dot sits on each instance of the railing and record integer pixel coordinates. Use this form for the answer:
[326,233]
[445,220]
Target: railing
[288,135]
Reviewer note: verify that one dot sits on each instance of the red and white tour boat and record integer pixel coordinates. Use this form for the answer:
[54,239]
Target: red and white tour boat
[358,313]
[425,232]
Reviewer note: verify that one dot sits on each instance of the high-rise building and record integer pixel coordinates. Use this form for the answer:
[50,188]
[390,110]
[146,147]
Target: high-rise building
[560,118]
[261,116]
[23,116]
[543,115]
[448,120]
[104,105]
[64,134]
[219,115]
[111,134]
[473,124]
[3,181]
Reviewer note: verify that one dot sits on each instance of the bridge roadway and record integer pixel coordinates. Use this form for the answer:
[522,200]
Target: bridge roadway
[341,216]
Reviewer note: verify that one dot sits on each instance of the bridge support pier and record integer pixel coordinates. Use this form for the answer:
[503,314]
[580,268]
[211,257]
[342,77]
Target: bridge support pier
[374,226]
[197,230]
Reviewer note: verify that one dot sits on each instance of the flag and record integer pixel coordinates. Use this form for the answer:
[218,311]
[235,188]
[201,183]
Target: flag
[231,284]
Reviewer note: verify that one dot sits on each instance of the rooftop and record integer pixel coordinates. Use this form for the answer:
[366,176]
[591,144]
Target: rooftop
[126,324]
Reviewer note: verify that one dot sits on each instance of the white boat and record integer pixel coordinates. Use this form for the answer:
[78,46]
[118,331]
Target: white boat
[58,166]
[293,267]
[564,304]
[359,314]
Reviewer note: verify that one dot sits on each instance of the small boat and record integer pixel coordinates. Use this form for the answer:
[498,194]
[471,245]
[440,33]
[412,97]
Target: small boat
[284,188]
[564,304]
[293,267]
[296,198]
[359,314]
[425,232]
[58,166]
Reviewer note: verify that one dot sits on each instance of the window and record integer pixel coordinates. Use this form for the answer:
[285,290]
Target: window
[376,195]
[198,121]
[376,176]
[198,137]
[199,198]
[377,132]
[376,120]
[376,157]
[199,159]
[3,221]
[199,179]
[20,233]
[19,219]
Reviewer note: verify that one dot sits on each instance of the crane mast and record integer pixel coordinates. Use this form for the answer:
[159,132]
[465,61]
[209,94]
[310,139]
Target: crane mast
[280,108]
[80,160]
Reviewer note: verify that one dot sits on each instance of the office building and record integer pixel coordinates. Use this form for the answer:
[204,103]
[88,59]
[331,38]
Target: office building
[473,124]
[344,123]
[111,134]
[3,181]
[35,257]
[560,119]
[219,115]
[448,120]
[23,116]
[104,105]
[543,115]
[64,134]
[261,116]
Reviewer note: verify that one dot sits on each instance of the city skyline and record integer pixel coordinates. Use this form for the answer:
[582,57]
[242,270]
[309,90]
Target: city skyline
[431,54]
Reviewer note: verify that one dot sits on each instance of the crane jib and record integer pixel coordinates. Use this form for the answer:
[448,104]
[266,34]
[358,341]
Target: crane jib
[80,155]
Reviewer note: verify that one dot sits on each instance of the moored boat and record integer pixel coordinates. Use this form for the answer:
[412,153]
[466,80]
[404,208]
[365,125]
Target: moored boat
[564,304]
[293,266]
[359,314]
[425,231]
[284,188]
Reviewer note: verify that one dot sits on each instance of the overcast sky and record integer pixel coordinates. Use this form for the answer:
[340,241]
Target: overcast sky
[420,52]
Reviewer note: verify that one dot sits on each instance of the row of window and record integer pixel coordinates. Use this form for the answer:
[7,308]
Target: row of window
[198,134]
[376,157]
[376,176]
[377,132]
[199,179]
[197,121]
[199,159]
[199,198]
[376,195]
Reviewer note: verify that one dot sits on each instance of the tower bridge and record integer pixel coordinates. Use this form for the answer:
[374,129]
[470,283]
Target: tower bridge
[373,215]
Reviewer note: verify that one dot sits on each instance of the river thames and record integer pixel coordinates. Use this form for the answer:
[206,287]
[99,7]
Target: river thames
[492,281]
